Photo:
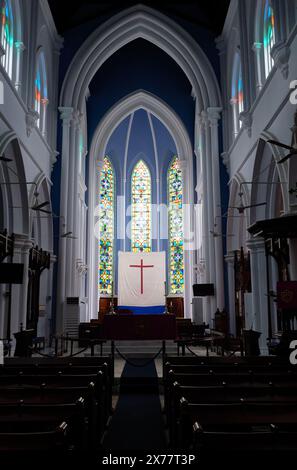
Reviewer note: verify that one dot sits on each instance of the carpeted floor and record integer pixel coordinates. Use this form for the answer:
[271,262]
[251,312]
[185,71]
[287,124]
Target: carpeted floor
[137,422]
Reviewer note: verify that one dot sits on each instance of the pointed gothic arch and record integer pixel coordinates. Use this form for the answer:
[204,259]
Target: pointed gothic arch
[131,103]
[136,22]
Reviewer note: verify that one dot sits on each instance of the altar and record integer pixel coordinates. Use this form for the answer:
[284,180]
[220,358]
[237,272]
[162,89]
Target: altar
[139,327]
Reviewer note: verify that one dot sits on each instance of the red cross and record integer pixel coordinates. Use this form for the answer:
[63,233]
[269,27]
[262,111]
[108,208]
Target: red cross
[141,266]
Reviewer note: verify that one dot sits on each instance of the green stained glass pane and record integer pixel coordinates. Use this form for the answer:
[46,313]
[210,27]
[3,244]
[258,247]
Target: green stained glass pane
[141,208]
[106,227]
[175,226]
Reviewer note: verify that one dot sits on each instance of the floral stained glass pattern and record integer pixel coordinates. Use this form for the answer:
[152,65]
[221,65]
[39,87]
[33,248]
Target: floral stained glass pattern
[141,208]
[7,40]
[269,37]
[175,226]
[106,248]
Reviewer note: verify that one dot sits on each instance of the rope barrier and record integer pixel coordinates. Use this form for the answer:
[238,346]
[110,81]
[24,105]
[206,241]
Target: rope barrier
[43,354]
[197,355]
[138,365]
[53,355]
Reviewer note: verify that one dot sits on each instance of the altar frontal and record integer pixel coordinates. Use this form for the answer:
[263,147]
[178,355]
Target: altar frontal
[142,282]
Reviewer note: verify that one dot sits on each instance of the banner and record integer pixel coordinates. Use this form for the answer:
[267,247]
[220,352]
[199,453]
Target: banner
[287,295]
[141,285]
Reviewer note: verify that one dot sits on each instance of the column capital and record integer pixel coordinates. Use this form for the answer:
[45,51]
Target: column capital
[214,114]
[220,45]
[229,257]
[226,160]
[54,155]
[77,119]
[257,47]
[66,114]
[44,101]
[246,118]
[20,46]
[255,244]
[22,244]
[204,118]
[53,258]
[280,54]
[32,117]
[199,120]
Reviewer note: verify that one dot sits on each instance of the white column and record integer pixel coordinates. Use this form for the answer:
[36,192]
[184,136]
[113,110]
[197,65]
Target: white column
[208,201]
[20,47]
[44,103]
[74,146]
[66,116]
[214,116]
[188,241]
[206,234]
[93,241]
[76,212]
[259,290]
[231,293]
[257,48]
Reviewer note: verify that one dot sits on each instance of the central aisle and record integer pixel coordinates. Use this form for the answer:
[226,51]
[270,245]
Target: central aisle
[137,422]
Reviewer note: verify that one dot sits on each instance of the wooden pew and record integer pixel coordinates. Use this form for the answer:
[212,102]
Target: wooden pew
[95,413]
[285,379]
[235,417]
[77,366]
[15,447]
[37,394]
[230,394]
[269,444]
[22,417]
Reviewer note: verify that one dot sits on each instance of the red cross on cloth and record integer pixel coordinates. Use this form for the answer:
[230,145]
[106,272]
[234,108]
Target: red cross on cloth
[141,266]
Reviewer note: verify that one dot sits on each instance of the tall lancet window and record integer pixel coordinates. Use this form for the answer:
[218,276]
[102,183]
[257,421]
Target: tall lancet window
[175,227]
[268,37]
[141,223]
[7,40]
[237,93]
[106,227]
[41,96]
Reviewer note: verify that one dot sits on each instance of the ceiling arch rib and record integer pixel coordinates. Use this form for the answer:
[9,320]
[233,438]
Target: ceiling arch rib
[140,22]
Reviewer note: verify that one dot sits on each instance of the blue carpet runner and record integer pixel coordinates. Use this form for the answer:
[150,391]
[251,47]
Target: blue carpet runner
[137,422]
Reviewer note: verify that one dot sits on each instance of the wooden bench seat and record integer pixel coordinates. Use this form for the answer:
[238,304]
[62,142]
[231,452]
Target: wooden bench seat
[268,443]
[18,444]
[23,417]
[235,417]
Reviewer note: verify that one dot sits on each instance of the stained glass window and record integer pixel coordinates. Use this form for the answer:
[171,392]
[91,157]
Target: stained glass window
[237,92]
[107,194]
[268,37]
[175,226]
[141,208]
[7,40]
[40,95]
